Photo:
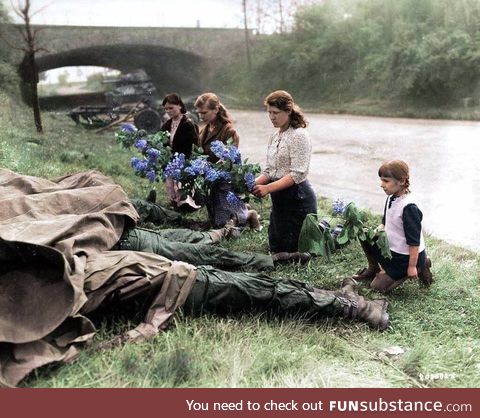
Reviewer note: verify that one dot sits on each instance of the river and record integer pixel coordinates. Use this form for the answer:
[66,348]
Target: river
[347,150]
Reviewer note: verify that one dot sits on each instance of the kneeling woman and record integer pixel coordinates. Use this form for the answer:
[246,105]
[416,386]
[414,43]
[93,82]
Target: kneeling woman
[285,175]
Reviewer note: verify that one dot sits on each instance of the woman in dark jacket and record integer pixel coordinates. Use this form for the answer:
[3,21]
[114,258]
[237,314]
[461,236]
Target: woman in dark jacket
[183,131]
[183,135]
[218,124]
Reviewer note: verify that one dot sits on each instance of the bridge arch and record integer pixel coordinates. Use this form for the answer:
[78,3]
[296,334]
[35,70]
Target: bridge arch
[170,69]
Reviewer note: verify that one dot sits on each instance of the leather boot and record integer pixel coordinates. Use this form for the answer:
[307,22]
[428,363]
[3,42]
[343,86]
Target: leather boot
[373,268]
[230,230]
[374,312]
[425,276]
[383,283]
[152,196]
[286,258]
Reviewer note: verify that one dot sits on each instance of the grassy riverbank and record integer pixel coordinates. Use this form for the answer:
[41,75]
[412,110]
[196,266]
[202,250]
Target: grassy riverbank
[438,328]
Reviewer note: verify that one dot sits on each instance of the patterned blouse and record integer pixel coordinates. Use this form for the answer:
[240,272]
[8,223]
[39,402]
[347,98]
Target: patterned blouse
[289,152]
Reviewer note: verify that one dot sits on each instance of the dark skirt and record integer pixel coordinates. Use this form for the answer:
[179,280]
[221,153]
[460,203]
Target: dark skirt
[397,266]
[289,209]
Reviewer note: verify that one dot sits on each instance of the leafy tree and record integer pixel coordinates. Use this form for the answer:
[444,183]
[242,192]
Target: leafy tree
[422,50]
[7,71]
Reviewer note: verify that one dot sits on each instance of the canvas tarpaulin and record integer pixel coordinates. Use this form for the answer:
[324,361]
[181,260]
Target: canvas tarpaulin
[55,268]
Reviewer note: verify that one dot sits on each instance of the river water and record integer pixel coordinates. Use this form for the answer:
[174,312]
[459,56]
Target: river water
[444,160]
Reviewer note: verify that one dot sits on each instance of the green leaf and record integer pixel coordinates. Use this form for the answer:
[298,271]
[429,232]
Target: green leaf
[343,237]
[382,244]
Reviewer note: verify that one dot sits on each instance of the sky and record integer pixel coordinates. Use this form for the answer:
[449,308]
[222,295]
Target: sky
[176,13]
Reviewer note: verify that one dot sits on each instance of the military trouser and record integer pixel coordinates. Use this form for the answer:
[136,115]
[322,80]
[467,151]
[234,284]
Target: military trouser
[195,249]
[151,212]
[229,292]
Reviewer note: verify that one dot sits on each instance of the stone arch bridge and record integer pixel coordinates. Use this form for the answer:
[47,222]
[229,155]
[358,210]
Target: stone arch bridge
[177,59]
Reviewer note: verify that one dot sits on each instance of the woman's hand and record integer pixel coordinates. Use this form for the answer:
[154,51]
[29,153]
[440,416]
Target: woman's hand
[260,190]
[412,272]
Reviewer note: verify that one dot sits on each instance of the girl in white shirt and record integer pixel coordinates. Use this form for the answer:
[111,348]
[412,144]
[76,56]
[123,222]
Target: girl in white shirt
[402,221]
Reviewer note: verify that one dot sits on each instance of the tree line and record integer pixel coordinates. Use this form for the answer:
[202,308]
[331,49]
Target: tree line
[420,50]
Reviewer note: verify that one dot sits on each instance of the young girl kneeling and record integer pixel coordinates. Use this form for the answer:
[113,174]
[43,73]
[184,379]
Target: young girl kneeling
[402,221]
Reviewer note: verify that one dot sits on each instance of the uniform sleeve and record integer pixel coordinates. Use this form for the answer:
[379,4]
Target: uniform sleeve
[300,149]
[412,224]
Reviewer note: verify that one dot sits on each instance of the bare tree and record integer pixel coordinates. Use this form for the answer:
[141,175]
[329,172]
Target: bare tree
[276,15]
[280,15]
[247,35]
[29,48]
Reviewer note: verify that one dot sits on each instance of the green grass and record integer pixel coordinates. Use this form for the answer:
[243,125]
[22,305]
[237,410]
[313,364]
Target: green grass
[438,327]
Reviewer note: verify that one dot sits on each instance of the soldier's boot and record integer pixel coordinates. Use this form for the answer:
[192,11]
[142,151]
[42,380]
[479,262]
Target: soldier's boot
[374,312]
[230,230]
[152,196]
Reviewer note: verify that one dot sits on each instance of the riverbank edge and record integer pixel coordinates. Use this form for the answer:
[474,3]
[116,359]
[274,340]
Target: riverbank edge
[377,108]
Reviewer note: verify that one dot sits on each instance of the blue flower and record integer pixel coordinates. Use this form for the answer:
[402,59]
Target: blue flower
[226,153]
[151,175]
[212,175]
[139,165]
[338,207]
[153,155]
[174,167]
[141,144]
[128,127]
[233,200]
[234,155]
[197,167]
[218,148]
[249,181]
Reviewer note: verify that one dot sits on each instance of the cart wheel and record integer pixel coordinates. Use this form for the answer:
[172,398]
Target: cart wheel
[149,120]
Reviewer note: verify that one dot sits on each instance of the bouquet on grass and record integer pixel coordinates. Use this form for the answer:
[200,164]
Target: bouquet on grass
[317,236]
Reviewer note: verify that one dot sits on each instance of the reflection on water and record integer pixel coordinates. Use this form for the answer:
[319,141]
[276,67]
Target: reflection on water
[347,151]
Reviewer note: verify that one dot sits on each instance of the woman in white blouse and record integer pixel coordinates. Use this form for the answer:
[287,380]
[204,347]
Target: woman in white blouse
[285,175]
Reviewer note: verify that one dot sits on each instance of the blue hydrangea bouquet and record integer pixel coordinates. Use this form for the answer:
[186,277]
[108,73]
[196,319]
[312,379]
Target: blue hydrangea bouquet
[156,163]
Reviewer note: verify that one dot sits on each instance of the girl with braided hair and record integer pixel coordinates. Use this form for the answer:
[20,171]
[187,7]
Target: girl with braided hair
[402,222]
